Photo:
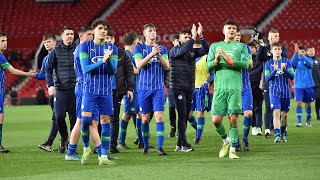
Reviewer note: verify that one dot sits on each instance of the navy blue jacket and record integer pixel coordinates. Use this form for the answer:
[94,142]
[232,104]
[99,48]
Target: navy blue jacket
[61,63]
[182,64]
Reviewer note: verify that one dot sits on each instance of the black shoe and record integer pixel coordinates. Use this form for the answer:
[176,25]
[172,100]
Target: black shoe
[63,146]
[238,147]
[189,146]
[45,146]
[246,146]
[94,151]
[113,149]
[3,150]
[172,132]
[136,141]
[161,152]
[145,151]
[197,141]
[140,145]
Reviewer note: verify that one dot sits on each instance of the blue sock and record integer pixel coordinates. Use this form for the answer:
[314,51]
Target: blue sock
[308,111]
[98,149]
[145,134]
[283,129]
[85,122]
[193,122]
[299,114]
[71,149]
[246,128]
[277,132]
[160,134]
[200,126]
[0,134]
[238,141]
[123,131]
[105,139]
[139,133]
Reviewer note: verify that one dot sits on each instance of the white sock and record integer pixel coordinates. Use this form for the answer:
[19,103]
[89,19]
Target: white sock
[226,140]
[104,156]
[86,148]
[232,149]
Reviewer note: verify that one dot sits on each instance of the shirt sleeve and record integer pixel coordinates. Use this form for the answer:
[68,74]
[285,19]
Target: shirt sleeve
[211,57]
[3,62]
[137,53]
[164,52]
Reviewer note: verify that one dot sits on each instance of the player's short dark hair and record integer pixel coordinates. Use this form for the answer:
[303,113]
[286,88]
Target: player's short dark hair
[230,22]
[174,37]
[273,31]
[252,44]
[307,48]
[301,48]
[49,36]
[66,28]
[129,38]
[3,34]
[110,33]
[84,29]
[275,44]
[149,25]
[185,31]
[98,22]
[238,30]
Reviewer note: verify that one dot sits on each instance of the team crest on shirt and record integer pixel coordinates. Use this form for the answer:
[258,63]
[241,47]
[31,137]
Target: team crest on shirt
[279,72]
[316,61]
[96,59]
[235,48]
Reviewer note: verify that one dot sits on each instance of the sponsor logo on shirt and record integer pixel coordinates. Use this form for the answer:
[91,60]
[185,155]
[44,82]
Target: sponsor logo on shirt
[96,59]
[154,59]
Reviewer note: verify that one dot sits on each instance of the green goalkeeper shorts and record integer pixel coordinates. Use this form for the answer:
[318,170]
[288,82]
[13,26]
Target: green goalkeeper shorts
[226,102]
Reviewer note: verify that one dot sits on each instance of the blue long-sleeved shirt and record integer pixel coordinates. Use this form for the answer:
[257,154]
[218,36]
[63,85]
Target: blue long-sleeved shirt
[97,76]
[278,80]
[303,71]
[42,74]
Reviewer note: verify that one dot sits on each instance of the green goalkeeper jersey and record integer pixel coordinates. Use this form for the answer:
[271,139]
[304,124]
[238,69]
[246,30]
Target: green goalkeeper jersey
[229,77]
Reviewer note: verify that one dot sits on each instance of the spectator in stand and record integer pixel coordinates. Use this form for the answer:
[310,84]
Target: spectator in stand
[311,52]
[41,96]
[14,96]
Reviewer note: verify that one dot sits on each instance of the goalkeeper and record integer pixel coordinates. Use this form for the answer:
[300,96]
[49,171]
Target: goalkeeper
[227,58]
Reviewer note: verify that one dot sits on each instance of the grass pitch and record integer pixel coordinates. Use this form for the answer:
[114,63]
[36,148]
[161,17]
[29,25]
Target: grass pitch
[27,126]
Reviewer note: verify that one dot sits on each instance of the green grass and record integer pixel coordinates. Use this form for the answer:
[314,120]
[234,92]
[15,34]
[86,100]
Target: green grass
[27,126]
